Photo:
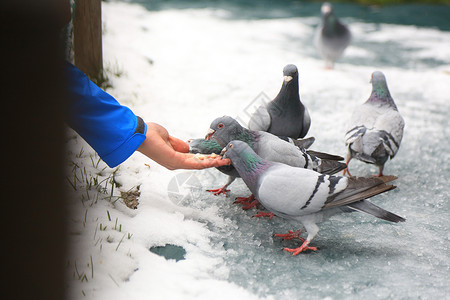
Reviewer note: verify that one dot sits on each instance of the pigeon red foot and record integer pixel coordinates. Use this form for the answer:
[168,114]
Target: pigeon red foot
[291,235]
[248,202]
[222,190]
[264,214]
[346,171]
[305,246]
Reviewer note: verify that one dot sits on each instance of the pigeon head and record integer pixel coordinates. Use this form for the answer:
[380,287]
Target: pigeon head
[223,130]
[290,72]
[326,8]
[203,146]
[377,77]
[246,161]
[235,149]
[240,153]
[380,91]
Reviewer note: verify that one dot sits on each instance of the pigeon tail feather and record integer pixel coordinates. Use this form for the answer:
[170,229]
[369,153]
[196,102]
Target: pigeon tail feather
[330,167]
[304,143]
[376,211]
[360,188]
[323,155]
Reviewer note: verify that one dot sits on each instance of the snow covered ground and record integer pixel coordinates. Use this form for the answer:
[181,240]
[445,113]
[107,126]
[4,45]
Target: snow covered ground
[184,68]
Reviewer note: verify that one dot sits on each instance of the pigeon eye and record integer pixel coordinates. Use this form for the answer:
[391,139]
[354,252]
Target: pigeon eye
[220,125]
[230,146]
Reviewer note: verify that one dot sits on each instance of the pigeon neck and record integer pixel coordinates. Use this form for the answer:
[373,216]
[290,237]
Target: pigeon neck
[330,21]
[288,95]
[250,166]
[248,136]
[380,94]
[332,25]
[210,146]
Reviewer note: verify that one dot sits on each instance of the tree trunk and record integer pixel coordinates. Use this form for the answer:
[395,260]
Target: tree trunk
[87,38]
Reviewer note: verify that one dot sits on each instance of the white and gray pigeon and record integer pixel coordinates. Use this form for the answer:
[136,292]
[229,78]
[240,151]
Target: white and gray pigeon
[272,148]
[376,127]
[304,195]
[285,115]
[332,37]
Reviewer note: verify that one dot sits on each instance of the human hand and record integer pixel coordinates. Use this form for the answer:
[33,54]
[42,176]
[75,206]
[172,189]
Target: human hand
[172,152]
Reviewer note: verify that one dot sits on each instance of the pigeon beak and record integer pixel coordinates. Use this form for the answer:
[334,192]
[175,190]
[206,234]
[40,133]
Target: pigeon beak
[287,78]
[209,134]
[224,150]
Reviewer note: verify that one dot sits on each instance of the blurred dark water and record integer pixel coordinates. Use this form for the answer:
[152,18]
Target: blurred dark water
[434,16]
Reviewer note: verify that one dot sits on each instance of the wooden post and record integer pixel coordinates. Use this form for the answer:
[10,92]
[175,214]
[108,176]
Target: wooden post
[87,38]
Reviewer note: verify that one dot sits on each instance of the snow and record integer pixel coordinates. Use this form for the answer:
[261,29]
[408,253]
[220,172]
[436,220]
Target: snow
[184,68]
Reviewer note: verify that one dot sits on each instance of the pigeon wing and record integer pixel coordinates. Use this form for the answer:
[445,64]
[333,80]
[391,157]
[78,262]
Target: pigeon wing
[359,188]
[290,192]
[260,119]
[272,148]
[306,123]
[390,125]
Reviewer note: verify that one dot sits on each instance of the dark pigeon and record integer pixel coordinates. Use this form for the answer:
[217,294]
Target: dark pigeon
[332,37]
[285,115]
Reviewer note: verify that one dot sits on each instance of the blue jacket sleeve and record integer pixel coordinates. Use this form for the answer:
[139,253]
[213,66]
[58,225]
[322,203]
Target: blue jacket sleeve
[113,130]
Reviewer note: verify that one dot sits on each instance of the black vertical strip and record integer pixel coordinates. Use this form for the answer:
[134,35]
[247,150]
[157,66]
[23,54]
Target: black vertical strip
[319,181]
[333,182]
[306,159]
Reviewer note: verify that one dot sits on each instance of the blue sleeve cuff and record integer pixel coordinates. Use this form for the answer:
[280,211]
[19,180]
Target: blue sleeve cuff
[120,154]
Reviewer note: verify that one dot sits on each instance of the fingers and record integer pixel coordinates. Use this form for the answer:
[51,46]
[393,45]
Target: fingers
[178,145]
[208,162]
[220,162]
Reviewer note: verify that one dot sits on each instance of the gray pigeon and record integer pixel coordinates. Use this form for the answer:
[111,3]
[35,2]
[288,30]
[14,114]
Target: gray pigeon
[272,148]
[376,127]
[285,115]
[332,37]
[304,195]
[204,146]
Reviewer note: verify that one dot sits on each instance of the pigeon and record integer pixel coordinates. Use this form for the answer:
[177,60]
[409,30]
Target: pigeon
[304,195]
[285,115]
[332,37]
[271,147]
[203,146]
[376,127]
